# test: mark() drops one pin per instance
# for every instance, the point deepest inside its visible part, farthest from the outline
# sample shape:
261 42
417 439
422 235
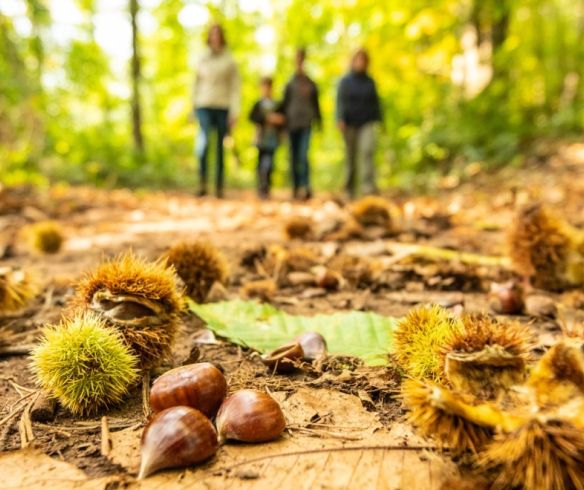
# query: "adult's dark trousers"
360 146
299 144
211 120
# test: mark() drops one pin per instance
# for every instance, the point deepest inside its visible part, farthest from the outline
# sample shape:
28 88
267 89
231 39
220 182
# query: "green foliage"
64 106
84 364
263 327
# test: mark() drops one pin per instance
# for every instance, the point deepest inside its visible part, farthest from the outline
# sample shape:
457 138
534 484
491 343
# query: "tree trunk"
136 74
499 31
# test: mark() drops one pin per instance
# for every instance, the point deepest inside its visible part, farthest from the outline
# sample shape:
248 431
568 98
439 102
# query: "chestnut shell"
201 386
284 359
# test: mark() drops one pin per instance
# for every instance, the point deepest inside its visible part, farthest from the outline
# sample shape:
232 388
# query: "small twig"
25 425
48 299
16 350
260 269
146 395
393 447
326 433
437 253
20 388
106 443
14 410
89 428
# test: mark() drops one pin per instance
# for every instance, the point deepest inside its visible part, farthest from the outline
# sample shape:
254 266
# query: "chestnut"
250 416
174 438
313 344
201 386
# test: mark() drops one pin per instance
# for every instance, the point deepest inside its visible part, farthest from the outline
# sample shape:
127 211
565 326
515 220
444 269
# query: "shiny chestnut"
506 298
313 345
175 438
250 416
201 386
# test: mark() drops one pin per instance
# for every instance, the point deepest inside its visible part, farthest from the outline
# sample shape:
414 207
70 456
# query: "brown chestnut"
250 416
201 386
328 279
174 438
284 359
506 298
313 344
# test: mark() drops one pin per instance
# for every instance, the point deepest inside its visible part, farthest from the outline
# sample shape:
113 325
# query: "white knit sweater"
217 84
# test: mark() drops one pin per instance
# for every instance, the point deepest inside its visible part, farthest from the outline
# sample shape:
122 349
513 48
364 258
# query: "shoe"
219 193
307 194
202 192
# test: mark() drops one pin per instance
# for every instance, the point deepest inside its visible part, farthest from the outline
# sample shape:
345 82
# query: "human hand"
341 125
276 119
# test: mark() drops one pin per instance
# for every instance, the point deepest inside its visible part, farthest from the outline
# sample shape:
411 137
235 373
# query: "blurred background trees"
89 96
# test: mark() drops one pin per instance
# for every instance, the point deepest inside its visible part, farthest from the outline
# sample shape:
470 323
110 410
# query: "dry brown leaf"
30 468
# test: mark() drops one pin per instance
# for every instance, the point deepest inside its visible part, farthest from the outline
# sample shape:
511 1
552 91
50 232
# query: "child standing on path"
265 114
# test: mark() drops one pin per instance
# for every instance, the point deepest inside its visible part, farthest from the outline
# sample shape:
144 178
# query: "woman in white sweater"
216 99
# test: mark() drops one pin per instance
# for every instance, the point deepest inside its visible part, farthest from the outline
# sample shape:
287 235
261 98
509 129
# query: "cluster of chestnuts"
185 400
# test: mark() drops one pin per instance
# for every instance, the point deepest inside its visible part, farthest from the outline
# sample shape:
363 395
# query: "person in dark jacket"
267 116
358 111
301 109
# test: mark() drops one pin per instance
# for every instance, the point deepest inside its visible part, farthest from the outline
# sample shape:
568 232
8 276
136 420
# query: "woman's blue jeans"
211 120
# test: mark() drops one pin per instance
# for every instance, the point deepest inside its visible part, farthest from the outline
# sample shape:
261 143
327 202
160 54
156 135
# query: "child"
269 120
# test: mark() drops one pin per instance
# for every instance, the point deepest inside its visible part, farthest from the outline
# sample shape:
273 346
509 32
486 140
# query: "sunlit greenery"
461 81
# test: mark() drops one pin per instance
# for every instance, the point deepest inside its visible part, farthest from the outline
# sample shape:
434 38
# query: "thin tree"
136 75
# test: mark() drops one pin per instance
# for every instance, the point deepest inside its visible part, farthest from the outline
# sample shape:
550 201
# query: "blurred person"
358 112
216 100
267 116
301 109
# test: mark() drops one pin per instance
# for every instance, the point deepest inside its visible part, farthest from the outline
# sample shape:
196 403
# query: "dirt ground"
346 426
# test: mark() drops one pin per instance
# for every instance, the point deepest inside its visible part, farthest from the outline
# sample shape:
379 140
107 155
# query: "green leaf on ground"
264 327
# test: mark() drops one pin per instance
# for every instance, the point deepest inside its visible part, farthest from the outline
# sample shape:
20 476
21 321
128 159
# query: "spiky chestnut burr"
558 377
16 289
357 271
299 228
301 259
486 356
373 211
419 339
262 289
45 237
199 265
457 421
84 364
546 453
547 249
140 298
